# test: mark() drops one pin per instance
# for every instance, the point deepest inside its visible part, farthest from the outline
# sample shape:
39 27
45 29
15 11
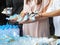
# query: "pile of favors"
26 40
8 33
38 41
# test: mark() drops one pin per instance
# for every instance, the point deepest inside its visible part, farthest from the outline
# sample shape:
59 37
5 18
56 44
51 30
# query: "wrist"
45 14
40 14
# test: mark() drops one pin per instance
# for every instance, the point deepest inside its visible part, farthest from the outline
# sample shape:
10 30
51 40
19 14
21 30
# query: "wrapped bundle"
57 42
12 17
44 41
7 10
32 16
26 17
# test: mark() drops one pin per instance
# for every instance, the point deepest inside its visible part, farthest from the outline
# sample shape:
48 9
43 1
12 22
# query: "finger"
22 22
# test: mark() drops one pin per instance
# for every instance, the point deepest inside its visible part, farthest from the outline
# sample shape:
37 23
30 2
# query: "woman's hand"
23 13
38 16
13 20
30 19
22 22
25 18
26 22
41 16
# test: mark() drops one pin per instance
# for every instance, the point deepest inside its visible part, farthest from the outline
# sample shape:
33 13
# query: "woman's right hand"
14 20
23 16
23 13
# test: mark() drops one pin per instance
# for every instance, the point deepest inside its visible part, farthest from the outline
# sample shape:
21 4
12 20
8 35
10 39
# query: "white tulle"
7 10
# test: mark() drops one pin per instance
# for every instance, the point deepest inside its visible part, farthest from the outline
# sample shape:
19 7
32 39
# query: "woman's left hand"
22 22
31 20
25 22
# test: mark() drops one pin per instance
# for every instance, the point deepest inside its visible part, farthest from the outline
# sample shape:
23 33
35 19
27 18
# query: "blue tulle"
8 32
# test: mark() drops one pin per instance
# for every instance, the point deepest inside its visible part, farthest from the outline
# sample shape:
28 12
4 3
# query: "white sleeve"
54 5
57 4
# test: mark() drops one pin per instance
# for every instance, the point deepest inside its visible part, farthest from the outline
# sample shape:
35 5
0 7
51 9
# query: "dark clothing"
17 8
16 4
52 29
2 16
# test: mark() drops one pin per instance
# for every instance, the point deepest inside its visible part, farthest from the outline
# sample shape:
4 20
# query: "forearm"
36 19
45 15
40 17
51 14
22 13
26 22
30 21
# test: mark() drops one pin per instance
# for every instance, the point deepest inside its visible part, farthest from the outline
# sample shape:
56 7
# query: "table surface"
30 41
